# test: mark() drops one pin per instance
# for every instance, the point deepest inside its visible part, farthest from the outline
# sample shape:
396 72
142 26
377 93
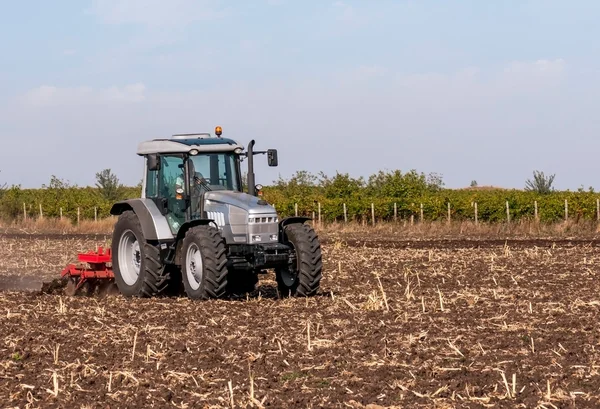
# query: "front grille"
262 219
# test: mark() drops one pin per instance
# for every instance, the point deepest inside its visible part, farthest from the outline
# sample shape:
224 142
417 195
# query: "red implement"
93 265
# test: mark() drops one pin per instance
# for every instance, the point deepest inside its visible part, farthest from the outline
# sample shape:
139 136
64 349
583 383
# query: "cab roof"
184 143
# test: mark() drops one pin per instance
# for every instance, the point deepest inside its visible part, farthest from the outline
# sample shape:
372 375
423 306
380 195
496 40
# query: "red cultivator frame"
91 272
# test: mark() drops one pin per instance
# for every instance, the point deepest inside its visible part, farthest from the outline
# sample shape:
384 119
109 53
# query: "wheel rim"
130 258
194 266
289 274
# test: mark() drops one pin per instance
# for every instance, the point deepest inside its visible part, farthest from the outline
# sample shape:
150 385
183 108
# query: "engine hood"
251 204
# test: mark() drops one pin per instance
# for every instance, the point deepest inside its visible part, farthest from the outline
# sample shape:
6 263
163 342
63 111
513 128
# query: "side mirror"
153 162
272 157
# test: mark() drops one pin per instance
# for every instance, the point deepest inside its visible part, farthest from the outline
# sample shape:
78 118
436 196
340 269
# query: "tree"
57 184
396 184
109 186
341 185
473 183
541 183
302 184
435 182
2 188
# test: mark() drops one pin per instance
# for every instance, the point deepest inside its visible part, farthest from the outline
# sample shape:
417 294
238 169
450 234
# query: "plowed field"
436 324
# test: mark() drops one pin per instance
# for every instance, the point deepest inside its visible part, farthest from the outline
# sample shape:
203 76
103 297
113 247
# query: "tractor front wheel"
302 275
204 263
136 263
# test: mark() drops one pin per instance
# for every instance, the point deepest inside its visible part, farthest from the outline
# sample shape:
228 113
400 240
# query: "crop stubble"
407 324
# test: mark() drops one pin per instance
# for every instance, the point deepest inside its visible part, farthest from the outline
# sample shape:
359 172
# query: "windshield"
215 171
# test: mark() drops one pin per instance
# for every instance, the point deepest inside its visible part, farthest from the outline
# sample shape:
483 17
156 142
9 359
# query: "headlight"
194 152
238 150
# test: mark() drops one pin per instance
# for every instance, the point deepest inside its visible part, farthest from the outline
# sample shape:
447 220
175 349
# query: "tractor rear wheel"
136 263
204 263
302 276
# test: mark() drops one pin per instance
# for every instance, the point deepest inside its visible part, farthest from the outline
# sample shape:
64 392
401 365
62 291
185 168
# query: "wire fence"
419 215
373 214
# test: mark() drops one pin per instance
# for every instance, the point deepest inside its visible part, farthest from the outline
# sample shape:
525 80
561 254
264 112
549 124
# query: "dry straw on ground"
398 323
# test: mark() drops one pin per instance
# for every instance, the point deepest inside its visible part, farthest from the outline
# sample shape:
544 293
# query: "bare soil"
398 323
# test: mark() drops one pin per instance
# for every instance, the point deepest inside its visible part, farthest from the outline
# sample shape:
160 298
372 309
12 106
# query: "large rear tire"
302 276
204 263
136 263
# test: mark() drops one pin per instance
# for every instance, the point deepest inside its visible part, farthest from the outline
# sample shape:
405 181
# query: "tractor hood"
249 203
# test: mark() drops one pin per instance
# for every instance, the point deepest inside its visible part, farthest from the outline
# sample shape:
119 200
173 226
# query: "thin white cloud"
157 12
347 13
525 76
47 95
551 67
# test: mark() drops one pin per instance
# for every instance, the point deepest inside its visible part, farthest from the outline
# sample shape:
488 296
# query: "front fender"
290 220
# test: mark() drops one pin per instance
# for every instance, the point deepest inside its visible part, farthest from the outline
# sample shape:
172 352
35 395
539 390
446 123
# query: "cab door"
172 189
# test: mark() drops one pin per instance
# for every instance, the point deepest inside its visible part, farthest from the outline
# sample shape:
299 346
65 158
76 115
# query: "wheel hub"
130 257
194 267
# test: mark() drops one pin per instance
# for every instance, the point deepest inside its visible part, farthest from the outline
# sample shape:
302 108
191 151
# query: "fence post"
95 214
449 216
373 213
395 212
296 209
313 218
598 210
345 214
41 212
319 206
78 216
535 211
566 210
507 212
60 211
421 215
24 211
476 216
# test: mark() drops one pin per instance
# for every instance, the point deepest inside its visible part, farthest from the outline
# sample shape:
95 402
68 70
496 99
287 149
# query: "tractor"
195 230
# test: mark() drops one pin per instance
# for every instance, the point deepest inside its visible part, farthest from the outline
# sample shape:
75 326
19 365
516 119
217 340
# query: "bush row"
491 204
86 199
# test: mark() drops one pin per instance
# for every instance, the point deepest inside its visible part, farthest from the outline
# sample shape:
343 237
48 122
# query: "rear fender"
154 223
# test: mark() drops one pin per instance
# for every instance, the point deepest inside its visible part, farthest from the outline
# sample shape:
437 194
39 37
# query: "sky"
472 90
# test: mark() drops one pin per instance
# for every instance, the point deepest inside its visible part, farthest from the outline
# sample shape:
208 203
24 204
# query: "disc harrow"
92 272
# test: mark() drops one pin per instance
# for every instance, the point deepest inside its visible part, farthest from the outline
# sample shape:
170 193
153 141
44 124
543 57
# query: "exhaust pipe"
251 182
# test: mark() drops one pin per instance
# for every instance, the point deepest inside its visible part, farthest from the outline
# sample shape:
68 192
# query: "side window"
171 174
222 172
151 184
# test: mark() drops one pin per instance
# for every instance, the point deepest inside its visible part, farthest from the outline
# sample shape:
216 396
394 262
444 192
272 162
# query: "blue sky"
473 90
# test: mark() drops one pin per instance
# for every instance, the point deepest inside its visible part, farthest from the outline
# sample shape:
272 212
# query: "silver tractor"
195 226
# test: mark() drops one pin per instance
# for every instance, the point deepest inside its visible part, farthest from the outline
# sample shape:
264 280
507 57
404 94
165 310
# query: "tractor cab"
181 170
178 182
